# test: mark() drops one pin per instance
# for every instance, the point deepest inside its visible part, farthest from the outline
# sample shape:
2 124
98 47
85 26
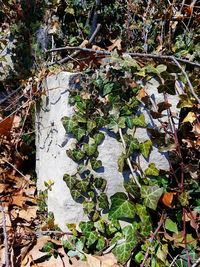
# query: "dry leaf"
116 44
167 199
93 261
141 94
6 126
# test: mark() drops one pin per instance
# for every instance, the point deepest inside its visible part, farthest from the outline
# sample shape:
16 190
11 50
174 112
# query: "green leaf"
48 247
90 149
86 227
82 186
161 68
100 183
121 207
108 87
96 164
98 138
113 227
101 243
70 180
88 206
151 195
121 122
121 161
90 125
75 154
69 124
133 144
185 101
103 201
145 148
171 226
152 170
75 194
139 120
93 237
78 133
129 122
123 250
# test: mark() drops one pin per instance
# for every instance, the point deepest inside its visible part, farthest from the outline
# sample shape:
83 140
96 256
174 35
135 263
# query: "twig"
5 237
11 94
103 52
172 263
81 46
196 263
25 178
128 159
162 219
40 233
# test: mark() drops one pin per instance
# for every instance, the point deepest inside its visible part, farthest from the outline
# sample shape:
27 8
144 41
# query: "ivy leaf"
101 243
108 87
163 106
70 180
161 68
86 227
121 207
151 195
75 154
171 226
82 186
93 237
88 206
78 133
90 125
100 122
185 101
90 149
75 194
129 122
145 148
133 145
96 164
121 161
168 87
139 120
100 183
152 170
98 138
123 250
121 122
69 124
103 201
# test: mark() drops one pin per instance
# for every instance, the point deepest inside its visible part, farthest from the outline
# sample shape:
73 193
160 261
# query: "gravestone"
52 142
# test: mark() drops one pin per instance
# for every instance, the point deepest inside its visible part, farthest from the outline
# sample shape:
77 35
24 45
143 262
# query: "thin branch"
171 58
196 263
162 219
64 60
128 159
25 178
5 237
9 96
104 52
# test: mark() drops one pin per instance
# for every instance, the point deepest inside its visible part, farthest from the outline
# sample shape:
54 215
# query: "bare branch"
5 237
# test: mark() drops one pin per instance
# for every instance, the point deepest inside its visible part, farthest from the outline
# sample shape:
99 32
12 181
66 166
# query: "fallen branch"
5 237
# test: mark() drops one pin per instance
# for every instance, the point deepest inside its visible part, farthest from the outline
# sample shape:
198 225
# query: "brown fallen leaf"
115 44
6 126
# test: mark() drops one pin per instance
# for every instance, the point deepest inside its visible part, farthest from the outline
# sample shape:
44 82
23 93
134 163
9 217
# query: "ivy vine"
112 99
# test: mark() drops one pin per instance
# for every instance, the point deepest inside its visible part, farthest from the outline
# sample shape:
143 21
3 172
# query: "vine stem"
128 159
196 263
5 236
162 219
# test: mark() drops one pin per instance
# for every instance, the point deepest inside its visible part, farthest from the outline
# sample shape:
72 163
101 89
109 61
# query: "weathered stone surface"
52 143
